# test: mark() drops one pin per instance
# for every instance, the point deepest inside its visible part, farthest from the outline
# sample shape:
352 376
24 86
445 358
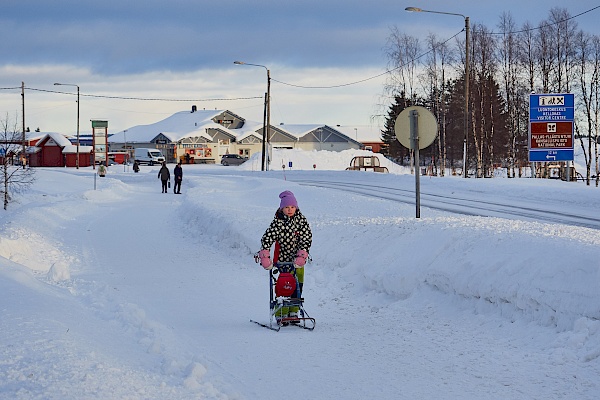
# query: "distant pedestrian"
164 175
136 166
102 170
178 178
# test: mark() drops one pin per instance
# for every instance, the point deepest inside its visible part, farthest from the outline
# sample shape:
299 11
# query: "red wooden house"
55 150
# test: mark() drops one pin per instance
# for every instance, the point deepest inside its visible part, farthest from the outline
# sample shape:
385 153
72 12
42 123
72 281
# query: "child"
292 236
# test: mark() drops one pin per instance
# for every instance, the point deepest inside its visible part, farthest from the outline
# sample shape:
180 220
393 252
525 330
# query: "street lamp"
267 115
126 160
71 84
467 39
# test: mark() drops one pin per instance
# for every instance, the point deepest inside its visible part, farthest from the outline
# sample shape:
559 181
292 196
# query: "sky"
326 59
111 289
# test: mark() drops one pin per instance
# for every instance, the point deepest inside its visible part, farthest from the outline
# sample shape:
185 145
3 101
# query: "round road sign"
427 127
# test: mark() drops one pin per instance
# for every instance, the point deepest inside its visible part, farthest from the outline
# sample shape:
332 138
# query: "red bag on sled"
285 285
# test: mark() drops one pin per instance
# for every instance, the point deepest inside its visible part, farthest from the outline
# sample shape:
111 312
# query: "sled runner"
285 293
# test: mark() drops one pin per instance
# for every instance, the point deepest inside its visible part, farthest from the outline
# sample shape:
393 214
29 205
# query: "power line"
545 25
373 77
143 98
427 52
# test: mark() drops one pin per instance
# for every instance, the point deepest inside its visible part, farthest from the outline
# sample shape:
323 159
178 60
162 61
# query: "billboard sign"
551 120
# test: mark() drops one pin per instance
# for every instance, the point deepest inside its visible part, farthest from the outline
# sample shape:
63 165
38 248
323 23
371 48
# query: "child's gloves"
301 257
265 259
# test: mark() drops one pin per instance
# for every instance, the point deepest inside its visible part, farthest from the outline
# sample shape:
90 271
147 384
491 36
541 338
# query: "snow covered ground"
123 292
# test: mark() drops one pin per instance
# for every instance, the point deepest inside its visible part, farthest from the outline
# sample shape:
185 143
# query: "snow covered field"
123 292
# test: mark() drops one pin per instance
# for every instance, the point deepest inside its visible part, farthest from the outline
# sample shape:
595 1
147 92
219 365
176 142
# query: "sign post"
416 128
414 138
551 121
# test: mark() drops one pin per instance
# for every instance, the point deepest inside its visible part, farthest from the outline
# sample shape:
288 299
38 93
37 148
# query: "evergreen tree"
392 148
455 131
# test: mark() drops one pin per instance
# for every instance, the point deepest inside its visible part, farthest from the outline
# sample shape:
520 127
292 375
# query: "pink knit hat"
287 199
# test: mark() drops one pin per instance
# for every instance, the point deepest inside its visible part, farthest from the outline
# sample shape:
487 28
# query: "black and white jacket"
291 233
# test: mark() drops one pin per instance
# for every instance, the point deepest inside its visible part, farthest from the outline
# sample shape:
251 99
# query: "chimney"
194 109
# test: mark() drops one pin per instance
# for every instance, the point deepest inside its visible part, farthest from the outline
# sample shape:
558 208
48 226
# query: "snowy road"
497 206
168 283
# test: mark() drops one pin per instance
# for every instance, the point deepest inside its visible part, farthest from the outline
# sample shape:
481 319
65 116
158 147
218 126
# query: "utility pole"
467 73
72 84
467 78
267 116
23 155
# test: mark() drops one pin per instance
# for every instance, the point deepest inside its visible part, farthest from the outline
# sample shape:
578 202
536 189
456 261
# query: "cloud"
52 108
116 37
184 49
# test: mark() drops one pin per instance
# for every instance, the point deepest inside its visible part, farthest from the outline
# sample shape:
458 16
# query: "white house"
203 136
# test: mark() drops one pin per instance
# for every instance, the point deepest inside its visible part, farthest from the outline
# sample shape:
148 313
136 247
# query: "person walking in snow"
102 170
178 178
164 175
291 234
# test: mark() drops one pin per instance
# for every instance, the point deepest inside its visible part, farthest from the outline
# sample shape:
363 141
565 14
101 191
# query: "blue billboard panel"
551 155
551 107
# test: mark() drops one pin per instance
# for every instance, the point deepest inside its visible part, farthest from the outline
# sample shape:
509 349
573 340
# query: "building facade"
204 136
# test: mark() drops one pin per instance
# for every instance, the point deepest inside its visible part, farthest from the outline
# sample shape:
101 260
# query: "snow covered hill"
124 292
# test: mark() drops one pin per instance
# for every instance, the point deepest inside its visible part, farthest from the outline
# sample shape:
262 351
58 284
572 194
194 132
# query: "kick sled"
286 292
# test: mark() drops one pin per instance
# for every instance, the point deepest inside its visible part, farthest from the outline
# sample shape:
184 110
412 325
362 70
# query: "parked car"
233 159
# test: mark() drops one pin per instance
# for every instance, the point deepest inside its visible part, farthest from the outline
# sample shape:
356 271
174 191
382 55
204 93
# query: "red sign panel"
551 135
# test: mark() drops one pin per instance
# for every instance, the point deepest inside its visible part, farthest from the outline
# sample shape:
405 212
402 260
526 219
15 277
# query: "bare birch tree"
596 100
526 42
537 58
484 69
509 58
437 60
589 71
544 54
402 53
562 31
15 177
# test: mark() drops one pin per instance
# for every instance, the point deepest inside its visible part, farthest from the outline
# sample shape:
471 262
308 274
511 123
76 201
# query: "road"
462 204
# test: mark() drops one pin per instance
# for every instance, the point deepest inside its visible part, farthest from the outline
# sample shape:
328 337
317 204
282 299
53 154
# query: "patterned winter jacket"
291 233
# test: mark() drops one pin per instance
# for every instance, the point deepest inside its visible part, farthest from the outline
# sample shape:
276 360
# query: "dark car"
232 159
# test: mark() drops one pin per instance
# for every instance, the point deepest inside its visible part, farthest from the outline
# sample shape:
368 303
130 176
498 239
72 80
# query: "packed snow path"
157 290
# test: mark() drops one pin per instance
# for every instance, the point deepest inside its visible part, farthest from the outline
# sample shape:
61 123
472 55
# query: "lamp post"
77 86
126 160
467 40
267 117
